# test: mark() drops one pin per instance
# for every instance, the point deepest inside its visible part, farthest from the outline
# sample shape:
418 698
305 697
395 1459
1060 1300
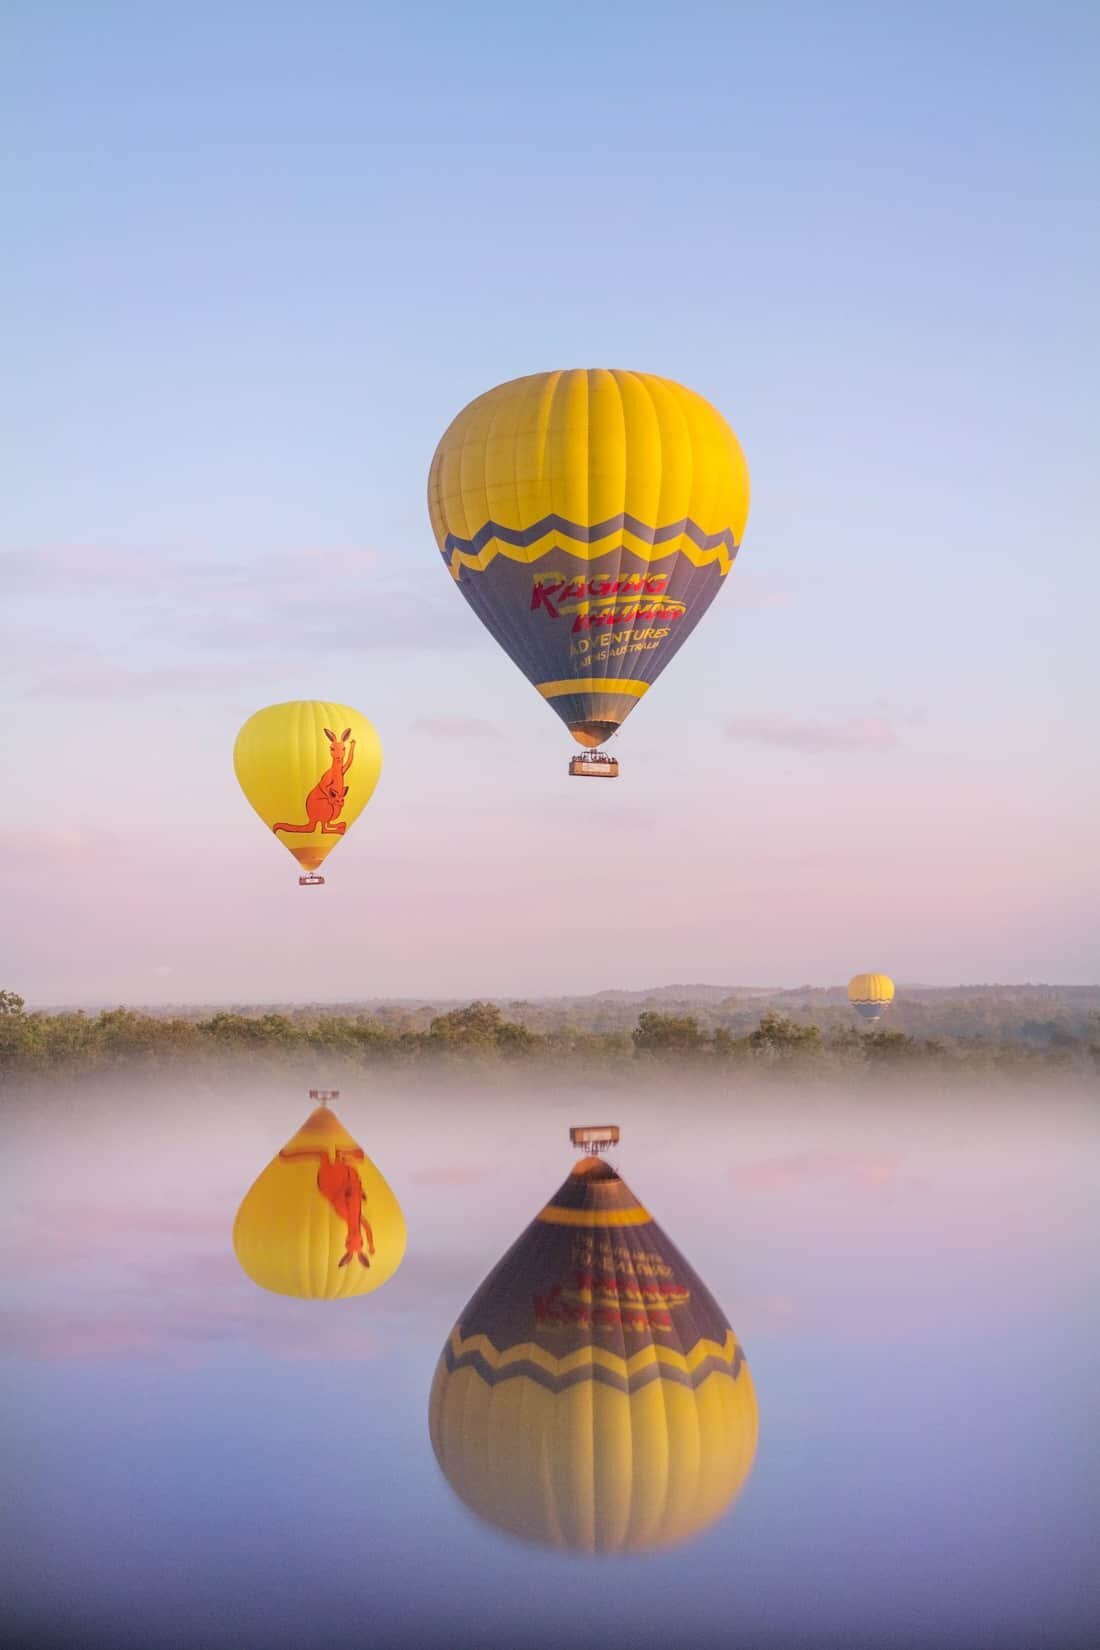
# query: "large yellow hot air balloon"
871 994
295 765
592 1395
320 1222
589 518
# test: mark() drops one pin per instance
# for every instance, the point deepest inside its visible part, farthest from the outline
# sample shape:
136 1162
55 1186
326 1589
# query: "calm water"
191 1462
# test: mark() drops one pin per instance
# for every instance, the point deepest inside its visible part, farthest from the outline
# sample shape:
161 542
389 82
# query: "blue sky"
261 257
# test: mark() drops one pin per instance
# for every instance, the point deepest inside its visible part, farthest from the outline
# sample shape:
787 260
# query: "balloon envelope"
320 1222
592 1396
871 994
589 518
309 768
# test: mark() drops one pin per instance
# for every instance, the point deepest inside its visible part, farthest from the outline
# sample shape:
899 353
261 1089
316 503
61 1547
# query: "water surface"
191 1462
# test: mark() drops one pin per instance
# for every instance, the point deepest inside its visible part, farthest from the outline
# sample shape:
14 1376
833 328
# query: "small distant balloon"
871 994
308 768
592 1396
320 1223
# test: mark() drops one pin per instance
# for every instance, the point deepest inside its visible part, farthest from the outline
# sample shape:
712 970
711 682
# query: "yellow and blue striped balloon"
871 994
589 518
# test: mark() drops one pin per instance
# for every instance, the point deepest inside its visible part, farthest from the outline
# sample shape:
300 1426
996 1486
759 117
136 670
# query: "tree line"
74 1042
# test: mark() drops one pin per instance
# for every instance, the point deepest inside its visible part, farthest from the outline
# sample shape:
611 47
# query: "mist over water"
190 1461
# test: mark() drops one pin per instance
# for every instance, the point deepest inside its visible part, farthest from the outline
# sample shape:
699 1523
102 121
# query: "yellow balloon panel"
592 1469
592 1396
321 1222
308 768
576 450
871 988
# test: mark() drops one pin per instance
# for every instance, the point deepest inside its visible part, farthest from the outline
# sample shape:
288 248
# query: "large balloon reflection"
592 1395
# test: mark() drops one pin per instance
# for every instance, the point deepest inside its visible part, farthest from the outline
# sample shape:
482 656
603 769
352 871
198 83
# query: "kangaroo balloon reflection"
592 1395
320 1222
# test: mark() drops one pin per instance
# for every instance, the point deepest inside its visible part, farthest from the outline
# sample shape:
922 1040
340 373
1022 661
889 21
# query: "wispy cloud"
153 573
47 1236
118 1330
168 614
106 679
859 733
456 727
852 1171
316 623
164 1283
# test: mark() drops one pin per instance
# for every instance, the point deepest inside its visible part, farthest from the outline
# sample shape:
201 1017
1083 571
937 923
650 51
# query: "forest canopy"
1009 1029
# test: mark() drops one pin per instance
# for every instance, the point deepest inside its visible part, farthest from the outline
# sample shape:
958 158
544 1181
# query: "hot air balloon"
592 1396
589 518
320 1222
871 994
295 765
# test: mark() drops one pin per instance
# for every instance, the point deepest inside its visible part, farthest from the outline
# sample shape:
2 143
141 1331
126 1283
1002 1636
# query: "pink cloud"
454 1174
47 1236
82 845
868 733
756 593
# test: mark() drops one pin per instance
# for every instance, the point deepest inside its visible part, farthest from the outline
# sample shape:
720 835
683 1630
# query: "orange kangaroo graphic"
326 800
341 1184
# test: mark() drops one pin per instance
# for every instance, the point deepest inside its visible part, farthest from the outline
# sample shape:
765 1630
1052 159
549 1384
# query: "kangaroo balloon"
295 765
589 518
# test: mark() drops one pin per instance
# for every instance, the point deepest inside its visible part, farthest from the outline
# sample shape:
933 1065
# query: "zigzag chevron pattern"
520 543
652 1363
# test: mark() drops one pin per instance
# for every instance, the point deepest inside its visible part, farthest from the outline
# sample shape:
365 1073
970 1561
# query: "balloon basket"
312 881
594 765
594 1138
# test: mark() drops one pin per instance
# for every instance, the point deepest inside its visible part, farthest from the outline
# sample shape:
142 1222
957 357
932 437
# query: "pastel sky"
260 255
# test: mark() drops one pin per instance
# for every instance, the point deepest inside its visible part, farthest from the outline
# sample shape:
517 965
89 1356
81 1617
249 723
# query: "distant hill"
1029 1012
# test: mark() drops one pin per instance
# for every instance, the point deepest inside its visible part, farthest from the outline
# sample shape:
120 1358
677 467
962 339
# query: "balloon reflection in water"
592 1395
320 1222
